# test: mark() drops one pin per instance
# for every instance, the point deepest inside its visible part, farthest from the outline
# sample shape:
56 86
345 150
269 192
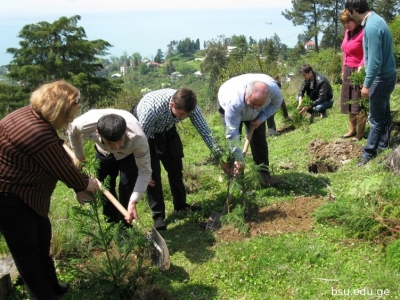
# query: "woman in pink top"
353 60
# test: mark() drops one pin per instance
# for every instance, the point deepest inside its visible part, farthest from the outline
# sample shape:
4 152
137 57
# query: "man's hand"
152 182
225 167
300 102
365 92
84 197
255 123
238 168
132 212
304 109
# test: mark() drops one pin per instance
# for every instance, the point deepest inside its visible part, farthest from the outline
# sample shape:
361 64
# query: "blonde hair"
53 101
345 16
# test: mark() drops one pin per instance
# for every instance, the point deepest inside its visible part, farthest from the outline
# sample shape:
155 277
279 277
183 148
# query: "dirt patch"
328 157
277 218
296 216
286 129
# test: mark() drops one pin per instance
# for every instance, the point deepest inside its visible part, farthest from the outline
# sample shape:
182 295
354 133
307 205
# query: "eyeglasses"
78 97
253 104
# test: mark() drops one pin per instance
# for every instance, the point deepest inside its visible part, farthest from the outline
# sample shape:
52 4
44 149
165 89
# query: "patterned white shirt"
155 116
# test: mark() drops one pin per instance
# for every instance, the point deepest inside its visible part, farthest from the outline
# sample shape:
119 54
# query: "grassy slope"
313 265
291 266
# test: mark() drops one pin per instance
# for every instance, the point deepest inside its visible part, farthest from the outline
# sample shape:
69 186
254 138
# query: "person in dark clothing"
319 89
271 120
32 161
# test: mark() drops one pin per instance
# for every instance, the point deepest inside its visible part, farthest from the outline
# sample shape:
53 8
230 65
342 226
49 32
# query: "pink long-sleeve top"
353 55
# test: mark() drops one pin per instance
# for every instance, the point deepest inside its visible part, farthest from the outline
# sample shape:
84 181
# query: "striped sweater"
32 160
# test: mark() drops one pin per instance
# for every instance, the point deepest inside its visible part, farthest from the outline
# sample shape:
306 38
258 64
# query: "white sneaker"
272 131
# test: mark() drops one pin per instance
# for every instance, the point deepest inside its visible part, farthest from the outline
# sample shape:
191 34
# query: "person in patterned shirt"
158 112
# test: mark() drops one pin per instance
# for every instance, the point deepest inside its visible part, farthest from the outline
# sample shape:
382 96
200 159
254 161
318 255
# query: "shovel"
159 253
214 221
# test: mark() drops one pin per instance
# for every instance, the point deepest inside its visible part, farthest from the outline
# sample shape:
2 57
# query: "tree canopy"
60 50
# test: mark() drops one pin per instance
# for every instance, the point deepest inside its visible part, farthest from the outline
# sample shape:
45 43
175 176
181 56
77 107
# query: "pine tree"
60 50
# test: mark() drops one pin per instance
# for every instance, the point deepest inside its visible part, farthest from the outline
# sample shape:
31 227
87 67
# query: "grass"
328 262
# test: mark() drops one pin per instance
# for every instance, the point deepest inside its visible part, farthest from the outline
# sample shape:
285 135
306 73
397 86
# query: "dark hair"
277 78
111 127
306 68
360 6
185 99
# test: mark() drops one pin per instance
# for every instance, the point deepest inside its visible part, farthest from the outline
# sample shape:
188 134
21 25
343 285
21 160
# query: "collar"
366 17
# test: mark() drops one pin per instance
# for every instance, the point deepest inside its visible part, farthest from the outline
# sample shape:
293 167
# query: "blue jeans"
320 108
380 118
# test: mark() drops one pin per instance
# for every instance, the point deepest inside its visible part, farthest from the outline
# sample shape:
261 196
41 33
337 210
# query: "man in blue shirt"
380 78
249 99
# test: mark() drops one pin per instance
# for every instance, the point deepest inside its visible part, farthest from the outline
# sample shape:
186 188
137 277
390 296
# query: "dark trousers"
128 171
271 122
172 162
28 237
258 143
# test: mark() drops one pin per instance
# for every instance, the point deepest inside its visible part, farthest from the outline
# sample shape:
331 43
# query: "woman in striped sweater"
32 160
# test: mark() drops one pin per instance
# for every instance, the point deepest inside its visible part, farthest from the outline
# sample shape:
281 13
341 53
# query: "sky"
145 26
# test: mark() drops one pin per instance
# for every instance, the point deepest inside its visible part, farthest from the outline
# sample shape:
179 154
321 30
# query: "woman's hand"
84 197
93 185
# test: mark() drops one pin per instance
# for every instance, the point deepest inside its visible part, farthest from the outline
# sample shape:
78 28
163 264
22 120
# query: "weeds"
357 78
363 210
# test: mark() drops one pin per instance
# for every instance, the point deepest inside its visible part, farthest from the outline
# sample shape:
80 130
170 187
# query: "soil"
296 215
277 218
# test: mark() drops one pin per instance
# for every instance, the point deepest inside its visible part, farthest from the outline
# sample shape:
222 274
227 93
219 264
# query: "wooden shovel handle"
248 139
106 193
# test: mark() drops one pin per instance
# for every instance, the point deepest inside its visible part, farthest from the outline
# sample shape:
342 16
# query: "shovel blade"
214 221
159 253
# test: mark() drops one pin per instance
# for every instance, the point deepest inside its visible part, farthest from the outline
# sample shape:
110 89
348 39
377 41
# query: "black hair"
306 68
360 6
185 99
111 127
